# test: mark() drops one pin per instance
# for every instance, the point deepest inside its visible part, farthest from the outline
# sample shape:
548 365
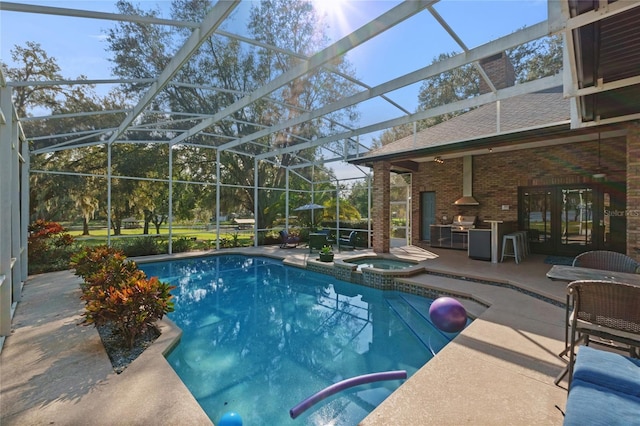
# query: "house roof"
517 118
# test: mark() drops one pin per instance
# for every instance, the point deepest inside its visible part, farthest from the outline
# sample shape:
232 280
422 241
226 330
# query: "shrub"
90 260
49 247
103 267
182 244
116 292
131 307
269 238
140 246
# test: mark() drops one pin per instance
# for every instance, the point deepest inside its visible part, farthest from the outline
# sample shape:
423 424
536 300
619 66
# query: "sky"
80 49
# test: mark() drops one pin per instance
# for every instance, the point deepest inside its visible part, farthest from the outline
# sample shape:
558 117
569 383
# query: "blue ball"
448 314
230 419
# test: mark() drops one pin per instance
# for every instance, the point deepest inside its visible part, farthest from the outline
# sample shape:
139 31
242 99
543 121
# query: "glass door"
576 220
535 217
571 219
613 223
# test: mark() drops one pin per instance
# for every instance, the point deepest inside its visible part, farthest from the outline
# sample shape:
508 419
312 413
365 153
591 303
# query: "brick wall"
633 190
497 176
381 209
500 70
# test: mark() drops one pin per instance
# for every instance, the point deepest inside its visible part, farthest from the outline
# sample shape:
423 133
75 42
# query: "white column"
217 199
16 271
170 198
24 206
255 200
6 134
286 199
109 171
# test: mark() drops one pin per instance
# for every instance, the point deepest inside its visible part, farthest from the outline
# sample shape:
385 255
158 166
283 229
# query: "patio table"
575 273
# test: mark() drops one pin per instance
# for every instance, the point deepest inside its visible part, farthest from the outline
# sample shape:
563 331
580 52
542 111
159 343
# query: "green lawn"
229 237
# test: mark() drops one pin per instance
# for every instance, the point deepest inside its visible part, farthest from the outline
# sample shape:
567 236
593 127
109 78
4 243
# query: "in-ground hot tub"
376 271
379 263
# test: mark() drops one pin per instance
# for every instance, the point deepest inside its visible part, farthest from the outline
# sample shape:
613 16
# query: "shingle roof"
520 112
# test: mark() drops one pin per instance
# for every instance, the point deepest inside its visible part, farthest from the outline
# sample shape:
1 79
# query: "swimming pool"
259 337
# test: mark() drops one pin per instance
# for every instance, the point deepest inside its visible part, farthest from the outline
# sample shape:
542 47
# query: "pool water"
380 263
259 337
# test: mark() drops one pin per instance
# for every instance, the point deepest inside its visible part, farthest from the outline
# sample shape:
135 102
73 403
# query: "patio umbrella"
310 206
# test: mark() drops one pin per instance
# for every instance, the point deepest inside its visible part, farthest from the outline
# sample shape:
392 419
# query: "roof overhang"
604 53
500 142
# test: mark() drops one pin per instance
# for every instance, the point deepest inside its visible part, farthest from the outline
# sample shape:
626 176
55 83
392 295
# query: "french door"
571 219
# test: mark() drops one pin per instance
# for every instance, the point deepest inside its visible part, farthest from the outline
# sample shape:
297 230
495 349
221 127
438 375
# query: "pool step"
418 323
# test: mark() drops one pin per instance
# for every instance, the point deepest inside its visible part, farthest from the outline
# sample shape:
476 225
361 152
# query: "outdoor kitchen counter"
480 243
440 236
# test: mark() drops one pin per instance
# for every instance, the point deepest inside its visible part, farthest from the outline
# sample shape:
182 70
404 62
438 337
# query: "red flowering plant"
50 247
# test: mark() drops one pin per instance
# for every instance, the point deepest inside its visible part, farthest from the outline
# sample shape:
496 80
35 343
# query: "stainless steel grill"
463 223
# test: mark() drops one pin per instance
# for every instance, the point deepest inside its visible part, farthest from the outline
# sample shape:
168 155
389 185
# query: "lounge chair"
288 241
605 389
607 260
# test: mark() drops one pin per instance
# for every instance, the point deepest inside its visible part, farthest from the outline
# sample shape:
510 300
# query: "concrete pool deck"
500 370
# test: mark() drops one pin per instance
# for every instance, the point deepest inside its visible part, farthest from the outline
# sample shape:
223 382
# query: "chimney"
500 70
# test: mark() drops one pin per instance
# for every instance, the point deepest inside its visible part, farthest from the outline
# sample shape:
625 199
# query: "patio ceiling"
602 77
605 64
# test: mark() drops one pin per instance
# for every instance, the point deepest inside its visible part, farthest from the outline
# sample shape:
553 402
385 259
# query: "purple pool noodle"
342 385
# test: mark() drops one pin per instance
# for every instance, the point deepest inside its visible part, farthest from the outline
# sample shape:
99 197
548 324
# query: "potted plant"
326 254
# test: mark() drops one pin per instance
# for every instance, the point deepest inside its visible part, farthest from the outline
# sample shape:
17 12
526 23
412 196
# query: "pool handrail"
345 384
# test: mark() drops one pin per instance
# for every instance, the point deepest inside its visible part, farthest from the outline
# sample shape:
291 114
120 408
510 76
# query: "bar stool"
522 243
513 238
527 247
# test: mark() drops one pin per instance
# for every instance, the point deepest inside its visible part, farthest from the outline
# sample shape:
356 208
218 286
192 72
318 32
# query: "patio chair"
604 309
288 241
350 240
607 260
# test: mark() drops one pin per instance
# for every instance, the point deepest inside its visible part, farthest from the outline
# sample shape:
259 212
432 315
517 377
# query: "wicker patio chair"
607 260
604 309
288 241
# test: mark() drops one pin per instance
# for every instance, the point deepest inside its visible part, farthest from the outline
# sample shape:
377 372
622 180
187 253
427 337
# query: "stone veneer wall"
633 190
381 209
497 176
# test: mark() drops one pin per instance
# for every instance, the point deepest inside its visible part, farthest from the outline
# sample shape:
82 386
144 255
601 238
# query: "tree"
36 65
224 70
88 205
359 196
537 59
533 60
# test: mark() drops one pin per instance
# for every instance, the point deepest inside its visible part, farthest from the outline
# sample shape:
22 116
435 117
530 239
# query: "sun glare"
335 13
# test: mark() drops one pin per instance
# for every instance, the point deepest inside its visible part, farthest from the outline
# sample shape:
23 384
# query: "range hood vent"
467 184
